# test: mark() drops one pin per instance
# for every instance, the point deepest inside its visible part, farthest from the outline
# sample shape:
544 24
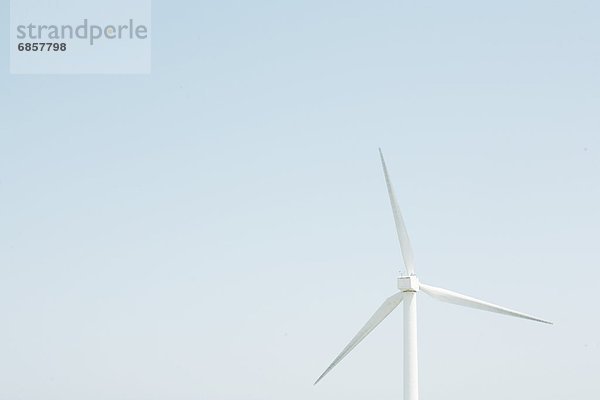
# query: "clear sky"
220 229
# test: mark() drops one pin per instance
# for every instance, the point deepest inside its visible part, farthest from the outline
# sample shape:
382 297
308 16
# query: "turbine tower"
409 286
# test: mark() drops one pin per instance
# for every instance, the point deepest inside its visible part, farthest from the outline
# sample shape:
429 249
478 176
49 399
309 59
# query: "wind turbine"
409 286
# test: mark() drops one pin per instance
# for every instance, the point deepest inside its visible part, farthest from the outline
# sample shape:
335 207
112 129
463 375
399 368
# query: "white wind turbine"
409 285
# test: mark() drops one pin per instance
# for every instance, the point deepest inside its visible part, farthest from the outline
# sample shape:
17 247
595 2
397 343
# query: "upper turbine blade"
407 253
383 311
462 300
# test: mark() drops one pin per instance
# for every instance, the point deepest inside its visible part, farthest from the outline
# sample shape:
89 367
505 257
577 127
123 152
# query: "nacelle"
408 283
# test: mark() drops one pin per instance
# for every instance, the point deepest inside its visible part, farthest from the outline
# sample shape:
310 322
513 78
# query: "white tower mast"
411 362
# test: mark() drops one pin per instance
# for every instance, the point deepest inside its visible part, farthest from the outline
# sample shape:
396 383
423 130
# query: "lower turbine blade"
466 301
383 311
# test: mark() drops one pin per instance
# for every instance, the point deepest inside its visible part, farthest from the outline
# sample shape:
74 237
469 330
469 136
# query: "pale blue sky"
220 229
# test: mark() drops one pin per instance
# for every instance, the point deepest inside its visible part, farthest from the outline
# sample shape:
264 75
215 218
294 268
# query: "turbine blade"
383 311
405 246
466 301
